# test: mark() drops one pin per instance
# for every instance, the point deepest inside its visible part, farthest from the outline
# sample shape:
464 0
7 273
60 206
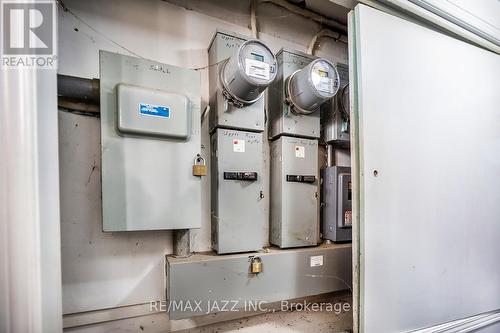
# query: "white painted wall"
107 270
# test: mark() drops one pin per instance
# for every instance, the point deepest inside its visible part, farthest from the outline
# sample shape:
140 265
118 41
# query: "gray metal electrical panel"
335 113
210 279
337 204
295 196
282 119
227 109
150 136
237 191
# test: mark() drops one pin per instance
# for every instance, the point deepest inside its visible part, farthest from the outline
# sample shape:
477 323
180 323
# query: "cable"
67 10
210 65
205 112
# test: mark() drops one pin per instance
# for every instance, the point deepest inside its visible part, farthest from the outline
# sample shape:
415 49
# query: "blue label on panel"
154 110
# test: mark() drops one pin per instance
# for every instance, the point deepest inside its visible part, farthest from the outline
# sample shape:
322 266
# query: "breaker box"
335 113
240 71
294 192
150 137
237 191
337 204
281 118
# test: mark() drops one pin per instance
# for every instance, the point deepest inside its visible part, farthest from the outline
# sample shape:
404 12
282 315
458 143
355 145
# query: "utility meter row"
242 69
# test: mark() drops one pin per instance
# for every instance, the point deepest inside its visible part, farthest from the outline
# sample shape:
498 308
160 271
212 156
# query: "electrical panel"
335 113
237 191
150 139
294 188
302 85
337 204
240 70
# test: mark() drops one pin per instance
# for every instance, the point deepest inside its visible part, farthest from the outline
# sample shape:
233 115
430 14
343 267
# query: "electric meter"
248 72
308 88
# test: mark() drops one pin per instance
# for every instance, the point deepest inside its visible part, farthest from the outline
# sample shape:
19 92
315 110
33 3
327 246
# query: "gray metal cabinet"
150 136
237 191
295 196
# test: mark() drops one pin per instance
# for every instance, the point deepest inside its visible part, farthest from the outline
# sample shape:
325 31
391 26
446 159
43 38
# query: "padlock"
256 265
199 167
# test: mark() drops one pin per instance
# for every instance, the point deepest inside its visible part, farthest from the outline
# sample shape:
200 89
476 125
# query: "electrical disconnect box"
241 72
337 204
335 113
244 69
303 83
237 191
294 188
150 139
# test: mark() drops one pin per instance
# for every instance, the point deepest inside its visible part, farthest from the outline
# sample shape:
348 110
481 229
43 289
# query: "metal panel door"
294 199
237 191
426 116
147 178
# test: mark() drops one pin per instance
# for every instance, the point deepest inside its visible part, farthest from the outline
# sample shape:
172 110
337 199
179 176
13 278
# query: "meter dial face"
325 78
258 62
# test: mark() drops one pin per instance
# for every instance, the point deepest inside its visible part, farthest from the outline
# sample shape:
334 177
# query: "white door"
426 139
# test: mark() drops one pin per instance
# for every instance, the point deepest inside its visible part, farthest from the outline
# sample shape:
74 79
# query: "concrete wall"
110 270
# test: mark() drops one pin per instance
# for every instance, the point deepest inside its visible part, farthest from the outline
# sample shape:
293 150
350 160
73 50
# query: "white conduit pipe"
325 33
308 14
338 37
253 18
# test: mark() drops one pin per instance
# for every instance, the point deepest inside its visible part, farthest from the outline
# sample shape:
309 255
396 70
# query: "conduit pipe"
78 89
325 33
308 14
182 243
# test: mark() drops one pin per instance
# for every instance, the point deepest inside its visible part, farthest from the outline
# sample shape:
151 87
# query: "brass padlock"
199 167
255 265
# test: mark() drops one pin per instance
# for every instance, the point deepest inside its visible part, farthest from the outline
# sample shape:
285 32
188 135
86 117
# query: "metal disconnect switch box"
240 71
335 113
150 136
237 191
294 189
337 209
281 118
